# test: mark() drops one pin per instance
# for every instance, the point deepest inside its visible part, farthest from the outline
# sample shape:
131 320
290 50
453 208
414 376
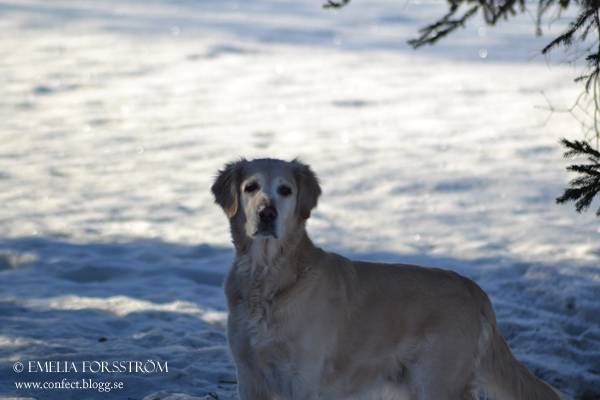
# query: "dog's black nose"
267 214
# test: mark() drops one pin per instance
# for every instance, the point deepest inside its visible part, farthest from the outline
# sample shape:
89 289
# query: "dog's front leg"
302 383
251 385
303 390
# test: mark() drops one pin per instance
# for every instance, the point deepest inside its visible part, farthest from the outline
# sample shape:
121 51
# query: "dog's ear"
227 185
308 188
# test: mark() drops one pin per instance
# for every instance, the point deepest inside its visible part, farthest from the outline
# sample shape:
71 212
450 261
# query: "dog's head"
266 196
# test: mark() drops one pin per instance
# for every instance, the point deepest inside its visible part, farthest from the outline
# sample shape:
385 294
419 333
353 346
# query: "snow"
116 115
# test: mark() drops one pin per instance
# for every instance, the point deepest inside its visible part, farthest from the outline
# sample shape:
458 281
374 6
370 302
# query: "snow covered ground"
116 115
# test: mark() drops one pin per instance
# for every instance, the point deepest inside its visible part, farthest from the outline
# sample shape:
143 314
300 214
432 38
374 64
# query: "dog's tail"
504 377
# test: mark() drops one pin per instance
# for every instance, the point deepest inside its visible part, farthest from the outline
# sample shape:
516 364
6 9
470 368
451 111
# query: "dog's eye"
284 191
251 187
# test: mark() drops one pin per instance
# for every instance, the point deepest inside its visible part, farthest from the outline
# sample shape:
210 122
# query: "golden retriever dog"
307 324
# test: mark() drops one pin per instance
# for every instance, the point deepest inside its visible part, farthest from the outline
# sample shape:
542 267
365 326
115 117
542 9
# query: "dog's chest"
255 287
263 314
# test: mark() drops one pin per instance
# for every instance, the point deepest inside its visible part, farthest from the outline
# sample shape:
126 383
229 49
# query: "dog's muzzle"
267 214
266 217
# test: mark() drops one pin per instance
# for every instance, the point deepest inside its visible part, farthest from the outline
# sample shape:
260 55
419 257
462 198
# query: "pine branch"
434 32
584 188
542 9
567 37
506 10
494 11
579 148
334 4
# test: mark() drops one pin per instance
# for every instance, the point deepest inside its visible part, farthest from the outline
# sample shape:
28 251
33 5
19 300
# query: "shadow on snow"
147 298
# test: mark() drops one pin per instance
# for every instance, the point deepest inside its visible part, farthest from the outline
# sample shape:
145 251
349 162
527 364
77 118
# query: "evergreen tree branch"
567 37
434 32
578 148
586 187
335 4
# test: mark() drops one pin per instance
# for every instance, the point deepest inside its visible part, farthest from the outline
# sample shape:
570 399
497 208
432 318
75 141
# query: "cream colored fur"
305 323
